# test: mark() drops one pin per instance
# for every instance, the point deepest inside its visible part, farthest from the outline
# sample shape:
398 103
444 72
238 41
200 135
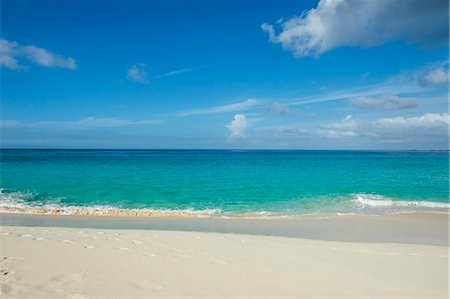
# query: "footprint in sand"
221 262
124 249
148 284
392 254
136 242
13 258
178 250
90 247
39 239
417 254
151 255
67 241
5 234
26 236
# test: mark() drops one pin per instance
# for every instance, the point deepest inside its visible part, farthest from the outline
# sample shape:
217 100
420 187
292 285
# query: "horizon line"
225 149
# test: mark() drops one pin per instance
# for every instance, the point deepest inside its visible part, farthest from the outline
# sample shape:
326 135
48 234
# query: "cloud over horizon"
238 126
400 128
337 23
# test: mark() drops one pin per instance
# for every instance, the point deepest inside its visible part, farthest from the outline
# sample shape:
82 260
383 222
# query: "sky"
225 74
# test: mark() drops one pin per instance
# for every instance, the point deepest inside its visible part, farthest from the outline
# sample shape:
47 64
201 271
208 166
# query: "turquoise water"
209 182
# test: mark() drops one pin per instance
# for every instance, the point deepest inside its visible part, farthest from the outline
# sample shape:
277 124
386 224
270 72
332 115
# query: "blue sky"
225 74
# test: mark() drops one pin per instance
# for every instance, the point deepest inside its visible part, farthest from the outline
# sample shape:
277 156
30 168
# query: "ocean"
222 183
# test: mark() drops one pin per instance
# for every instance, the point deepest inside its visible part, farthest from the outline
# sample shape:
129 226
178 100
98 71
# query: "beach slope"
74 262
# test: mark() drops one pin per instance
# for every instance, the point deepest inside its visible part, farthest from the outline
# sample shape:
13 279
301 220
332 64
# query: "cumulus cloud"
384 103
278 108
238 126
337 23
137 73
11 52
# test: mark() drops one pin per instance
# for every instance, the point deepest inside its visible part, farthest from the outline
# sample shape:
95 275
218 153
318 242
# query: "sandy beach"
74 262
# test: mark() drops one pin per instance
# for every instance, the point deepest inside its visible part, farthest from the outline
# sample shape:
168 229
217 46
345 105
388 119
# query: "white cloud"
337 23
414 128
278 108
175 72
385 103
425 121
11 51
438 76
238 126
137 73
244 105
347 127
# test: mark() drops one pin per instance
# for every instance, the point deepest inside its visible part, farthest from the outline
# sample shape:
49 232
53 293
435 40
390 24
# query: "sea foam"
374 200
361 203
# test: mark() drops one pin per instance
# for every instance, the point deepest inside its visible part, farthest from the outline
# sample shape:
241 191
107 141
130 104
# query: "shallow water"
225 183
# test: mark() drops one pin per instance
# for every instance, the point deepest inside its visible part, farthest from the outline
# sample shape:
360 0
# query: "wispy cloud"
11 52
278 108
176 72
333 24
137 73
384 103
383 89
390 92
235 107
89 122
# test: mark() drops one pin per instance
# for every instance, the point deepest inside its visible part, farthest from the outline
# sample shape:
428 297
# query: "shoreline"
410 228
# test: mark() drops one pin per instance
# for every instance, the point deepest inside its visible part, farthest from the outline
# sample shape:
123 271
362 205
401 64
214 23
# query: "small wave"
374 200
361 203
16 203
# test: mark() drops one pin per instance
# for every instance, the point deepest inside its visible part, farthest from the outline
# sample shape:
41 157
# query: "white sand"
76 263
